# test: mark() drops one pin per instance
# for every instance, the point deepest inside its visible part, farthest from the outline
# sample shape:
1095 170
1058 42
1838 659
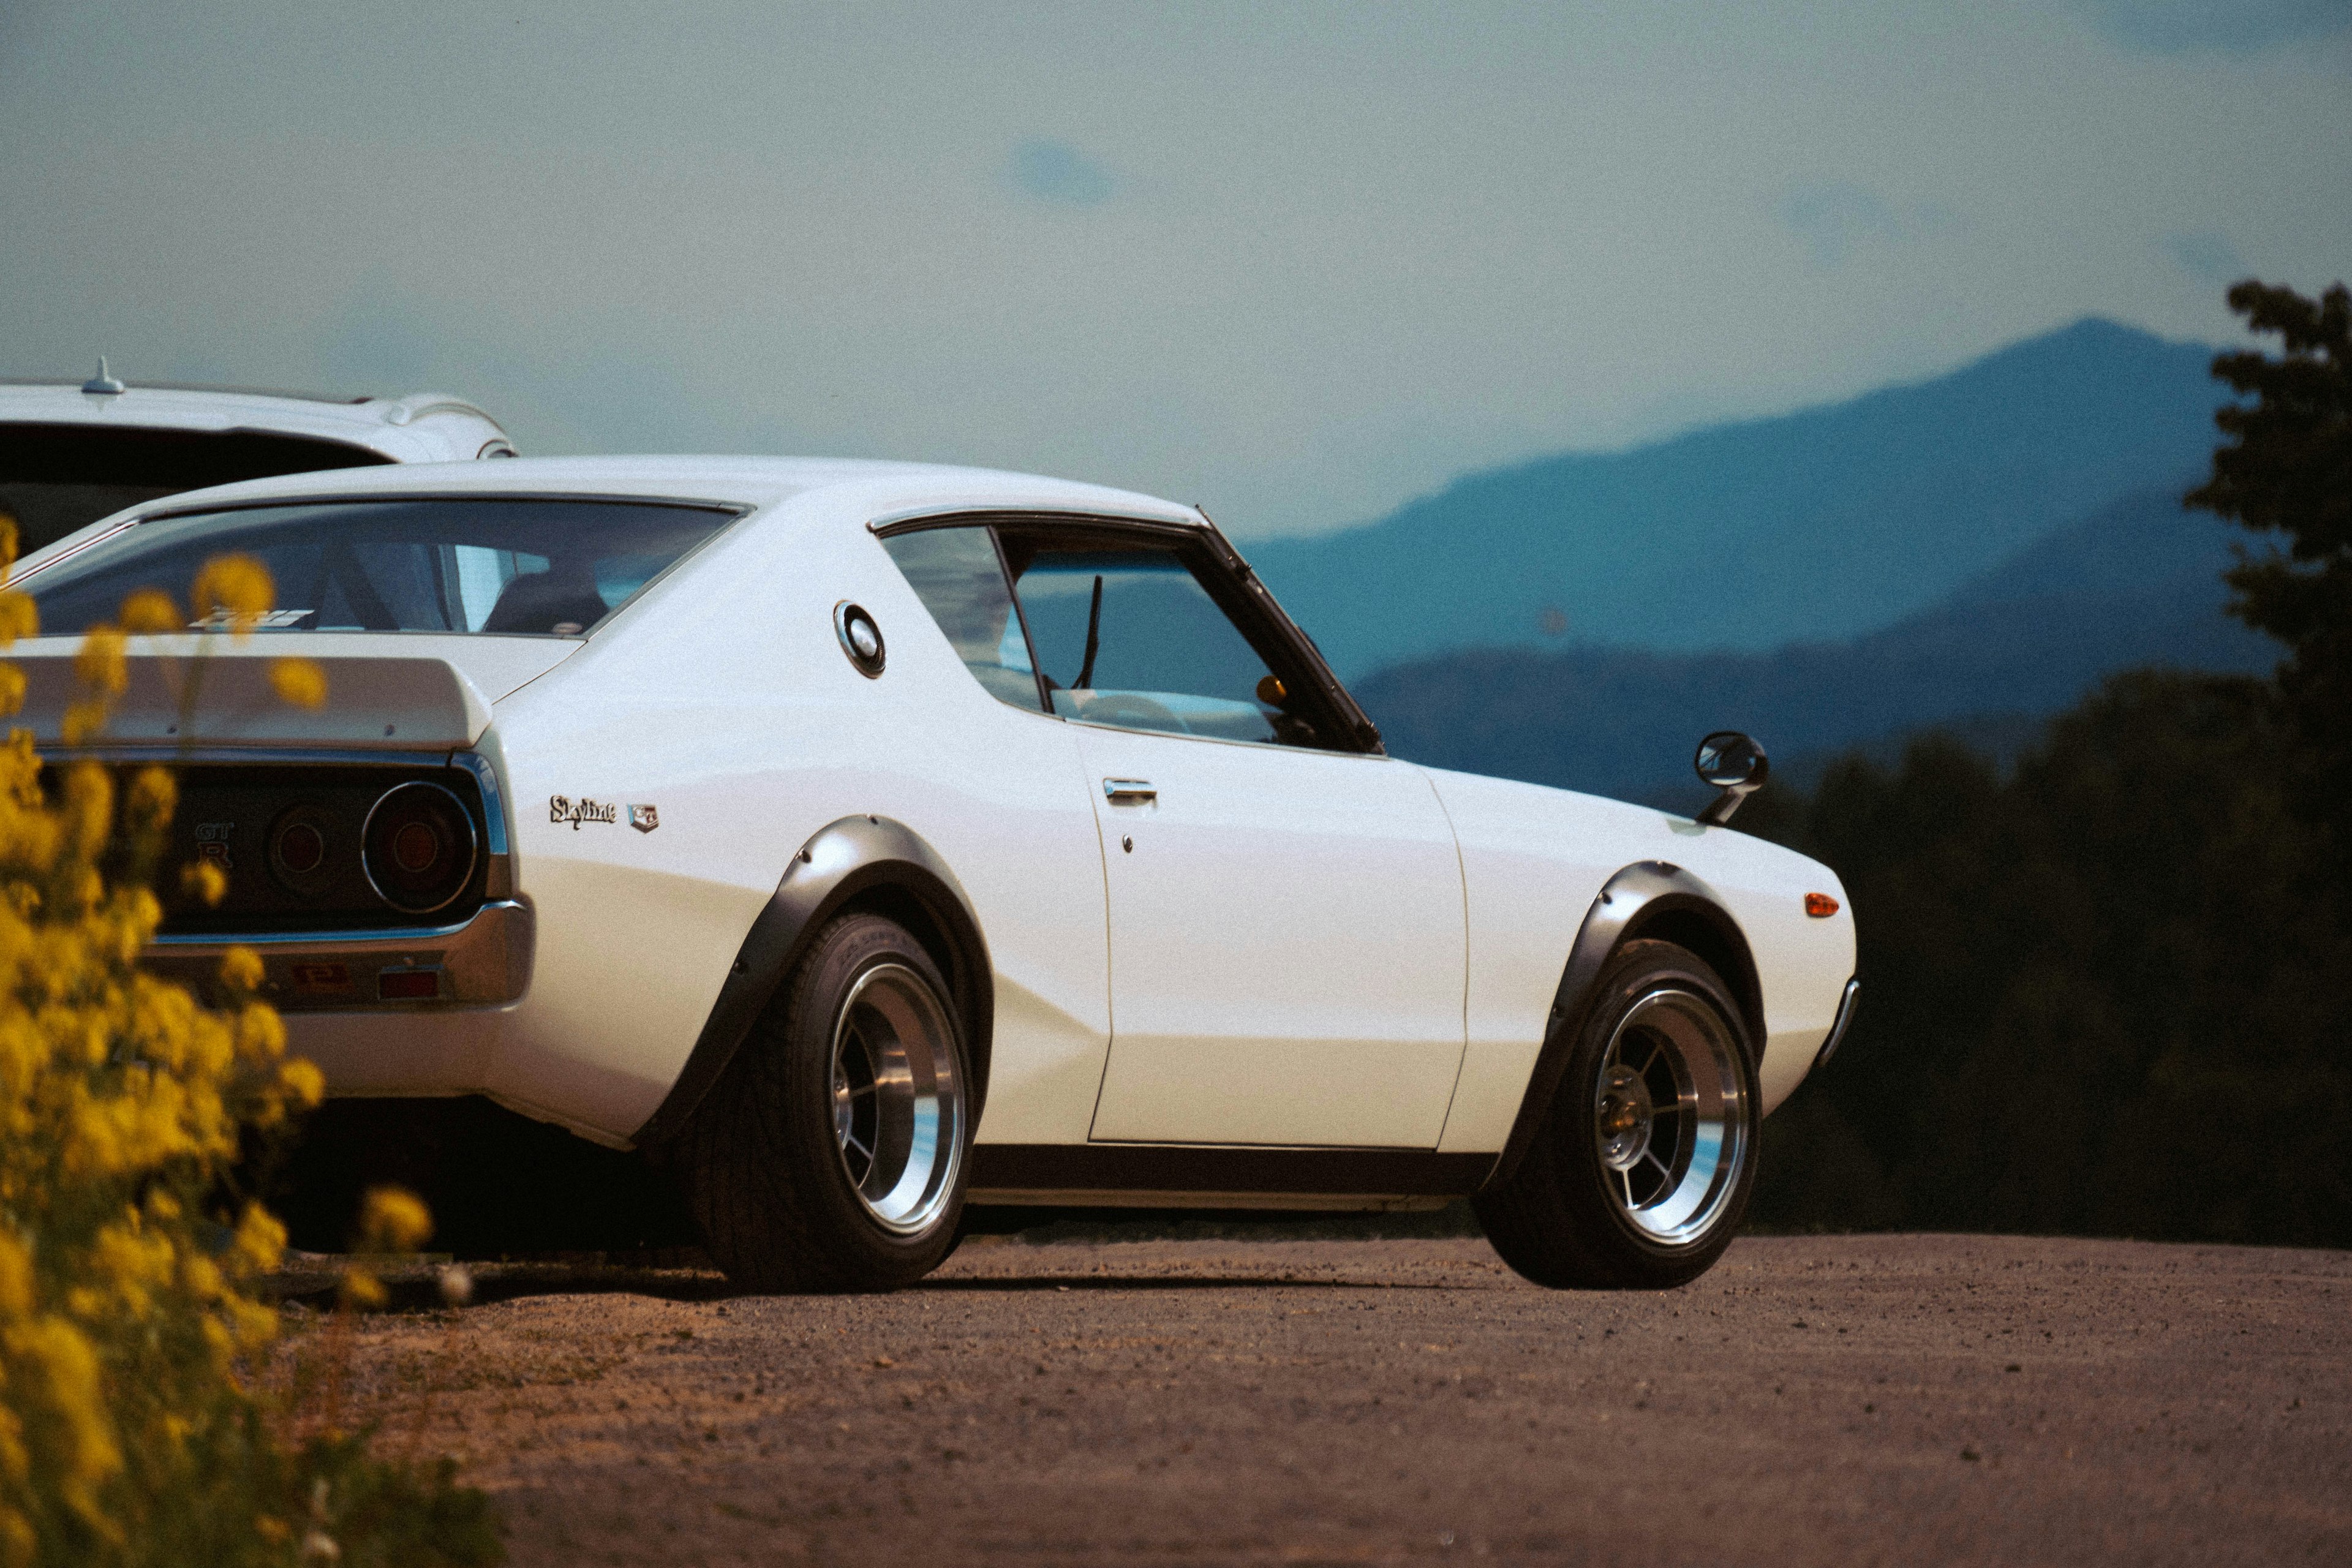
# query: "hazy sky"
1297 262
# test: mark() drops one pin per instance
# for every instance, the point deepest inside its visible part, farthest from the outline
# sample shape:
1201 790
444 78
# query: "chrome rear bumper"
484 961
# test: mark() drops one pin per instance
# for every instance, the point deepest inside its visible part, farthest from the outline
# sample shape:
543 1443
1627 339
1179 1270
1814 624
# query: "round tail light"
301 845
417 847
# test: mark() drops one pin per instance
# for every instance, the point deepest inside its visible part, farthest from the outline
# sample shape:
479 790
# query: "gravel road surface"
1895 1399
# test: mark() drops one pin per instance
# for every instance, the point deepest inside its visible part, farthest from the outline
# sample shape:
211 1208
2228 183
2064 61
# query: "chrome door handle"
1128 792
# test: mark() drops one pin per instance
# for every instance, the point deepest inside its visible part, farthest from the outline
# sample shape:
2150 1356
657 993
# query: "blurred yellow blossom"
131 1325
393 1221
235 590
100 665
298 682
151 612
204 883
240 969
19 617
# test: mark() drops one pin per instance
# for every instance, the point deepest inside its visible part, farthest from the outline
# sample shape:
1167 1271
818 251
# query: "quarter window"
956 573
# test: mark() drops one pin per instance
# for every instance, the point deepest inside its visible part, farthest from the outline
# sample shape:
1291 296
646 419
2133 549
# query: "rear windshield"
504 567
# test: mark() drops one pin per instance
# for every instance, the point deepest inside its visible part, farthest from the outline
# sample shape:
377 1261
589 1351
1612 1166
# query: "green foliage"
2107 995
2288 472
2099 997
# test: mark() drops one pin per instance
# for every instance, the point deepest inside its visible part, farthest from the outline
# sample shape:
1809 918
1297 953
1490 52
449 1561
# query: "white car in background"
865 840
71 453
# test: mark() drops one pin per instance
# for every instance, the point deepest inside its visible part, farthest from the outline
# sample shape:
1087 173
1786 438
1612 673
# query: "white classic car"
866 840
71 453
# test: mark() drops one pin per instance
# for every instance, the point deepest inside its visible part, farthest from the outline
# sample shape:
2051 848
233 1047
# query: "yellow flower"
147 805
237 587
19 616
298 682
204 880
83 719
62 1364
100 664
151 612
392 1220
302 1082
241 969
363 1289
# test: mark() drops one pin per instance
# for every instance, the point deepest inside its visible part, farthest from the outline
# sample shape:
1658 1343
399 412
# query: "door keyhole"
1127 842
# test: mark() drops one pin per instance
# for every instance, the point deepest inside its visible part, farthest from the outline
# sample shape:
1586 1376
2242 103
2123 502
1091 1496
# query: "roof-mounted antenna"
102 384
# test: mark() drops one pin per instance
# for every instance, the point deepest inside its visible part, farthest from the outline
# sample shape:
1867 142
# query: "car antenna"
1085 681
102 384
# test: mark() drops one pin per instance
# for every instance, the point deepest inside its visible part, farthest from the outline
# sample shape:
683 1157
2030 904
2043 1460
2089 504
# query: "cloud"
2224 26
1833 217
1059 172
2205 254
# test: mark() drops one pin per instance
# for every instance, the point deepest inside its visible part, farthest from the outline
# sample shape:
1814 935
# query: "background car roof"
423 427
879 491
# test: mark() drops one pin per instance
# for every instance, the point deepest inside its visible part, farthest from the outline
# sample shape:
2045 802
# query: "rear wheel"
1640 1173
830 1157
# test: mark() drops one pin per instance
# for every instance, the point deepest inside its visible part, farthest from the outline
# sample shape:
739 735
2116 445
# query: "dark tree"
2288 472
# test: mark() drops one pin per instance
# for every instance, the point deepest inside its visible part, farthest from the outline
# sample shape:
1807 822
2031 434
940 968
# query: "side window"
956 574
1125 635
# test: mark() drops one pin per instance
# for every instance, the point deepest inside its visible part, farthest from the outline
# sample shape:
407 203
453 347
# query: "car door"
1285 910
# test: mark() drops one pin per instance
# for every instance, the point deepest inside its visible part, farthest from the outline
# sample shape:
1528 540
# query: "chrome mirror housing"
1733 763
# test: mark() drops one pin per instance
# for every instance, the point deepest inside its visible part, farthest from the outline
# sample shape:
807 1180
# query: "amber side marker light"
1821 906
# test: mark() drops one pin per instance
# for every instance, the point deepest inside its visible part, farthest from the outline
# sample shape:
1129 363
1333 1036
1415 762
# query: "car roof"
880 491
428 426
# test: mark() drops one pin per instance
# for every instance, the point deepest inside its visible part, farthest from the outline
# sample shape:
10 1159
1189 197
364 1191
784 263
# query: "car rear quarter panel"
1533 861
722 700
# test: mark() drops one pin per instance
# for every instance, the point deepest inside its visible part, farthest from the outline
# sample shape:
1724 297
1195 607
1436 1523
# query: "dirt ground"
1835 1400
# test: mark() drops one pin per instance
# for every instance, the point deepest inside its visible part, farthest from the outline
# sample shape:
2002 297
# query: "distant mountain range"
1817 526
2136 582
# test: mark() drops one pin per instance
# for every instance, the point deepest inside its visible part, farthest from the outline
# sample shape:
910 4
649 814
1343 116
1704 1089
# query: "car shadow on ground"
1011 1284
412 1287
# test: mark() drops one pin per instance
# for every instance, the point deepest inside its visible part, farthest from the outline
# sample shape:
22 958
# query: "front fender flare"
1635 903
855 856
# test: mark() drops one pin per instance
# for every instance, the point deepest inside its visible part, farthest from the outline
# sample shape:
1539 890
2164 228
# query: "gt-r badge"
212 843
563 808
644 818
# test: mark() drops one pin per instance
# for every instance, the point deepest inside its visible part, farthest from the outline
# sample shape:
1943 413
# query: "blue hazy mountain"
1822 524
2136 583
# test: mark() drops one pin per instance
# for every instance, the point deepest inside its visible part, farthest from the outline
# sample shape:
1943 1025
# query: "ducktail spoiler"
419 704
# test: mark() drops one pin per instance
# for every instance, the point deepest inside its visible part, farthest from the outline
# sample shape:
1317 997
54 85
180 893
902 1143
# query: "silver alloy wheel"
898 1097
1670 1116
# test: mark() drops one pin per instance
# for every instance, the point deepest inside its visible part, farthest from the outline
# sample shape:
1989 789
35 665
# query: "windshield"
516 567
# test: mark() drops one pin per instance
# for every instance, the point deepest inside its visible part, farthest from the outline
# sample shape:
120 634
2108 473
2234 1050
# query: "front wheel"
1640 1173
830 1157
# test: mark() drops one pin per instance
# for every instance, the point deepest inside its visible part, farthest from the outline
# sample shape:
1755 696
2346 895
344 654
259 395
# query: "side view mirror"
1733 763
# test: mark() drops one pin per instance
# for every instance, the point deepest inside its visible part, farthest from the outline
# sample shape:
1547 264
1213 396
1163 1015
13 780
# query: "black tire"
770 1173
1616 1193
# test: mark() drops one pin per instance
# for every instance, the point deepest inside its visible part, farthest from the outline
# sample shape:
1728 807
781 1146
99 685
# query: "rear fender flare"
870 859
1650 898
